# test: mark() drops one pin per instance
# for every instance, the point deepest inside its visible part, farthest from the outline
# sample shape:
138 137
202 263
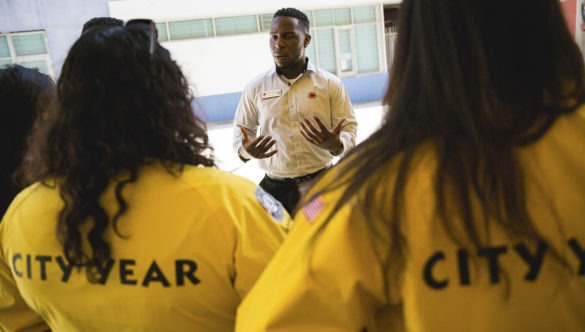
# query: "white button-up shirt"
270 107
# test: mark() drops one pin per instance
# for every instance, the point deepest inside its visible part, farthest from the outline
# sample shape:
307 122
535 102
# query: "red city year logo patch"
312 95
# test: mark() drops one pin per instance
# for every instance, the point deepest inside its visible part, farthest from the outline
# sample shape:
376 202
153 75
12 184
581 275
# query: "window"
366 44
28 49
41 65
345 41
163 34
338 16
191 29
326 50
345 53
342 16
324 17
29 44
236 25
265 22
364 14
5 57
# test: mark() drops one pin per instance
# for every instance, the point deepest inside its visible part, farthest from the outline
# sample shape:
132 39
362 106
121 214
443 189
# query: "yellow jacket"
193 246
336 281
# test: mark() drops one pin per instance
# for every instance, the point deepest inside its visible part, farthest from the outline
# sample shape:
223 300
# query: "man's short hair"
293 12
102 22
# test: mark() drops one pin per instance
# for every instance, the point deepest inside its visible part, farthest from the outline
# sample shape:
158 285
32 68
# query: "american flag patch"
313 208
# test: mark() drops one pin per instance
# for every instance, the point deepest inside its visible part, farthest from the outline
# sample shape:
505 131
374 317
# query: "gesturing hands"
323 137
259 147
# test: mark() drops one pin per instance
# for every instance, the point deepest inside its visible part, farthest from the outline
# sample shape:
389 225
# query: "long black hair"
473 80
25 94
120 108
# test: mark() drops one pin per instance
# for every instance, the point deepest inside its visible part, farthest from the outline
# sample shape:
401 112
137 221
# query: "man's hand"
259 147
323 137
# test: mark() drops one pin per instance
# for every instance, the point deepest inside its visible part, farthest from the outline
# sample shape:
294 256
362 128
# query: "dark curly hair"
101 22
293 12
120 108
24 94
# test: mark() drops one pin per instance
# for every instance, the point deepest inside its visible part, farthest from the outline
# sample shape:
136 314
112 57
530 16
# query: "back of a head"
24 94
122 105
478 79
474 79
119 107
101 22
484 65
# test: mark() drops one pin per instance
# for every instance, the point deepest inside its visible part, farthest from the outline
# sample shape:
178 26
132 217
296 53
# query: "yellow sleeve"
15 315
332 284
581 110
260 232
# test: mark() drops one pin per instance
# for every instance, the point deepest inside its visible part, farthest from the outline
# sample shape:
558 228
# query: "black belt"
302 178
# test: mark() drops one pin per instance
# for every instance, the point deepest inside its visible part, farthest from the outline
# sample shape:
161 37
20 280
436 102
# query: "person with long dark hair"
465 210
24 94
128 225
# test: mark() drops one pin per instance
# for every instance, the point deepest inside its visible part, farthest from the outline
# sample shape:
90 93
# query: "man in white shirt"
294 118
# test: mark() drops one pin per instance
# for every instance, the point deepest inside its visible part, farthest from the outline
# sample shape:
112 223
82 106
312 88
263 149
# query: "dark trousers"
288 191
285 191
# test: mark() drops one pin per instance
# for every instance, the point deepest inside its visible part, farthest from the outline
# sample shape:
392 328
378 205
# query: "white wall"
60 19
225 64
220 65
173 9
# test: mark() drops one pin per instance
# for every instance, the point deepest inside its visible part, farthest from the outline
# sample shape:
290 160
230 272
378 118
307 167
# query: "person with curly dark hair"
465 210
101 22
127 224
25 93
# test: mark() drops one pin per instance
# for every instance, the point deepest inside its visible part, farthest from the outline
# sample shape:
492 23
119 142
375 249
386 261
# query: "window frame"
14 58
334 25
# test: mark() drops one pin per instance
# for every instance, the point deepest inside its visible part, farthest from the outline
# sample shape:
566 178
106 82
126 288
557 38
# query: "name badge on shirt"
271 94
